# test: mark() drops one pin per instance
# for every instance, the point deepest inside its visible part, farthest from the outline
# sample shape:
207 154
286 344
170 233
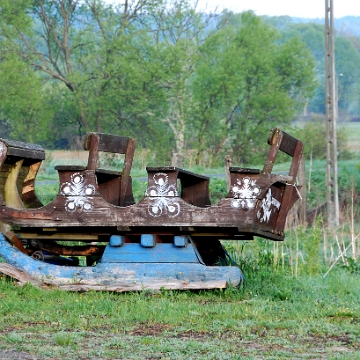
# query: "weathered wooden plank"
26 153
22 145
72 168
241 170
221 216
21 149
20 275
59 236
107 142
155 285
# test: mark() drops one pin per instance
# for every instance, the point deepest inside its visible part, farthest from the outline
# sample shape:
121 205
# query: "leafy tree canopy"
157 70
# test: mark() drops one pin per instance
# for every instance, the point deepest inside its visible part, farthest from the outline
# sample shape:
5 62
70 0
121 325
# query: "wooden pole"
331 119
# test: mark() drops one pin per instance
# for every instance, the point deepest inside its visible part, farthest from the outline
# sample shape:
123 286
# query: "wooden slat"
108 143
24 150
288 144
26 153
116 286
59 236
241 170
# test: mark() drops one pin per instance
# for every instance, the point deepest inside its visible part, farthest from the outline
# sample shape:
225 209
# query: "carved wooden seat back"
280 140
98 142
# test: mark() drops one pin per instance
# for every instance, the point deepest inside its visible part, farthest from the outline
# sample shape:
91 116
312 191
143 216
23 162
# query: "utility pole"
331 119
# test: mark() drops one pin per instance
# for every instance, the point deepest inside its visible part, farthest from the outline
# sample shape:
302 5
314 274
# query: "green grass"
352 131
274 316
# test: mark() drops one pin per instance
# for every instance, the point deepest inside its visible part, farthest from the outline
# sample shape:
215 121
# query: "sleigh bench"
173 181
248 186
114 186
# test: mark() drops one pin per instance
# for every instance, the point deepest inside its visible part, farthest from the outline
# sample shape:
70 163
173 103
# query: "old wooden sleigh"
170 239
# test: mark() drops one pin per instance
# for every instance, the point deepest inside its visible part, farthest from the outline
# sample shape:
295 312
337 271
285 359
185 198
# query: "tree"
92 55
23 104
348 75
246 83
178 30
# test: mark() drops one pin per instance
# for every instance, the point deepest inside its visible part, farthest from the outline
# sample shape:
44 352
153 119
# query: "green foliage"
165 75
353 266
218 189
46 191
347 58
348 76
313 135
239 101
22 100
139 188
310 245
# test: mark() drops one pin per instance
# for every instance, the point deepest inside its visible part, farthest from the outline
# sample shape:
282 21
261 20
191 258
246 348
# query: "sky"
295 8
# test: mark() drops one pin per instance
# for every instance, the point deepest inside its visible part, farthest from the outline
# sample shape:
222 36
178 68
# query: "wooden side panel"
11 193
195 190
28 187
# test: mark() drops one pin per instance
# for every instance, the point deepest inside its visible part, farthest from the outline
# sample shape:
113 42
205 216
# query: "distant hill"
347 24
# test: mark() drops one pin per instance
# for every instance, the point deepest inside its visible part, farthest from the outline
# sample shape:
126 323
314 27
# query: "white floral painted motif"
160 194
3 149
244 193
267 206
78 195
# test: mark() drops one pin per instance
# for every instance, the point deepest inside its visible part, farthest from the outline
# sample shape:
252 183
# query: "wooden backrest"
95 142
280 140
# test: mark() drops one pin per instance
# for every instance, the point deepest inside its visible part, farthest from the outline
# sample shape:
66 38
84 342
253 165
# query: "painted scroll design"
78 195
268 204
160 195
244 193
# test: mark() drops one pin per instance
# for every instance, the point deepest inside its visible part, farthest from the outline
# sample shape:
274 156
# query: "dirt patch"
150 330
16 355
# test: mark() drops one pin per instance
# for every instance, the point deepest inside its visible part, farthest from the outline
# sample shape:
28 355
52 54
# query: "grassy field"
273 316
352 131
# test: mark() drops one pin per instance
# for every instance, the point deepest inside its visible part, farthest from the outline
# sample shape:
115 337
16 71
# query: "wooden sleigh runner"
169 239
